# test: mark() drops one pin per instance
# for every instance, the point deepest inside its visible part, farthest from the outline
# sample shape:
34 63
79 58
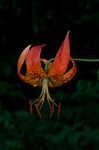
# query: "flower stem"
76 59
86 60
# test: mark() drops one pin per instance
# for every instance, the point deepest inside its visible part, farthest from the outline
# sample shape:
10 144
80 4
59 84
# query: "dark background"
37 22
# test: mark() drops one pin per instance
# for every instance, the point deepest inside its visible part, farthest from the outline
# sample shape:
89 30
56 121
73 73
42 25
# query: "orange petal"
33 59
34 70
71 73
61 61
21 61
56 81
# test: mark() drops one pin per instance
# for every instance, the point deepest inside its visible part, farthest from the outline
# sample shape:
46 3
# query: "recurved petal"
56 81
21 61
61 61
33 61
71 73
34 70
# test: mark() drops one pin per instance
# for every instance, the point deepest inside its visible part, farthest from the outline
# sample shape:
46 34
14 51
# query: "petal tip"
68 32
43 45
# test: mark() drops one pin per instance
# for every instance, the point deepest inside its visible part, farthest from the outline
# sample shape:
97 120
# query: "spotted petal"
34 70
33 61
56 81
71 73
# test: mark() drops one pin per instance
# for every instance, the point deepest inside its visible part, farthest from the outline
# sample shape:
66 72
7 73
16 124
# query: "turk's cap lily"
56 73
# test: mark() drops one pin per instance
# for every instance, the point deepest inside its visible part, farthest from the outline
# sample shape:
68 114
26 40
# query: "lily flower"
53 75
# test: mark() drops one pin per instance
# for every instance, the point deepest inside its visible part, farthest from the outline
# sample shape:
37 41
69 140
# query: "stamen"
52 109
39 102
59 109
37 109
31 108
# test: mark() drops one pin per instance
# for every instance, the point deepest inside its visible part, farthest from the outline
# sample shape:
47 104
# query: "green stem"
76 59
86 60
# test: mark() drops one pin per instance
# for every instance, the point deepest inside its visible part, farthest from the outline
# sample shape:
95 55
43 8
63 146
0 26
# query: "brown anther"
52 109
31 108
37 108
59 109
